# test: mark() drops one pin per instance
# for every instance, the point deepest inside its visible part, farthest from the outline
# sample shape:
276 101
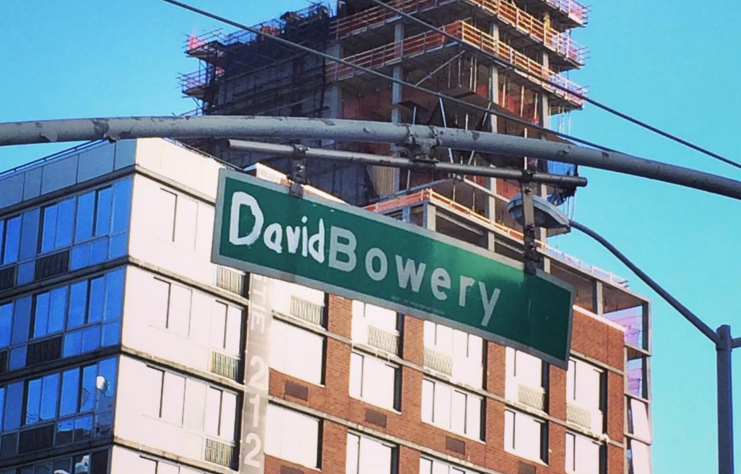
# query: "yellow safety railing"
429 41
508 13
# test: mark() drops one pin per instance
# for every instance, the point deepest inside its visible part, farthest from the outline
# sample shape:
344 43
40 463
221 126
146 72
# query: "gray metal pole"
352 130
300 151
724 348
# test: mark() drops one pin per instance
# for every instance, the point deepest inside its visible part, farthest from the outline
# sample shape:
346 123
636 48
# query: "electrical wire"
409 85
578 95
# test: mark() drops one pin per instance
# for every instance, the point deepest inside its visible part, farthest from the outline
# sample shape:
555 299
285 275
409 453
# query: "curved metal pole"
724 345
689 315
359 131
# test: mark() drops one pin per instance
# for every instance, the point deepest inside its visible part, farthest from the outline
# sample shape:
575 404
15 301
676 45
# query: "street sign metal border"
219 259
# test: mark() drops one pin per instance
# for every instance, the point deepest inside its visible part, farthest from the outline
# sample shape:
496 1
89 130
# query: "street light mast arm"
736 342
689 315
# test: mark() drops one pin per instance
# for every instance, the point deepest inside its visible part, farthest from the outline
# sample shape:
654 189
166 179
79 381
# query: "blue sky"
671 63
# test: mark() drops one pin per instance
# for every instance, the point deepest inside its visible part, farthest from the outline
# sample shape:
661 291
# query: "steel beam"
359 131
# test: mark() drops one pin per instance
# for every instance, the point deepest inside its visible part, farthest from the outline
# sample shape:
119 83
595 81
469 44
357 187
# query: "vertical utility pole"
724 348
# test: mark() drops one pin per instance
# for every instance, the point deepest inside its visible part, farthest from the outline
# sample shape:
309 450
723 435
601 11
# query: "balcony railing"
509 14
426 42
440 200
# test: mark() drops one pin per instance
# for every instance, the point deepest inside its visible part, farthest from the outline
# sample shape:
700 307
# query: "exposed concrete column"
396 91
491 203
333 93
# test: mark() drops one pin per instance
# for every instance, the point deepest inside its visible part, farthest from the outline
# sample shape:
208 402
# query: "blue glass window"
30 234
70 392
21 320
49 228
2 406
87 396
65 223
57 309
97 299
72 344
41 314
121 205
91 338
114 294
12 240
103 212
33 401
85 216
49 397
6 321
13 406
77 304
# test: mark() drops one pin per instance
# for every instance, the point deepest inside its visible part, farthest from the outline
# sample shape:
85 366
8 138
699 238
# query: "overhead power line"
583 97
365 70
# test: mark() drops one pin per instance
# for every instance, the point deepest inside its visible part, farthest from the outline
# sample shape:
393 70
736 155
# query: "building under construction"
506 60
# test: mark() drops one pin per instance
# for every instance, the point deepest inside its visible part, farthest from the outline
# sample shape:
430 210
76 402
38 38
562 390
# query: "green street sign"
361 255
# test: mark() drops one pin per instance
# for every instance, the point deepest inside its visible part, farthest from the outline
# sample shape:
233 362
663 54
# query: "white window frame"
362 380
438 408
511 444
467 351
575 454
429 465
288 360
357 444
283 429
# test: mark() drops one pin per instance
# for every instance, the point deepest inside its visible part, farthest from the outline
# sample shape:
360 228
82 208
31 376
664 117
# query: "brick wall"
591 338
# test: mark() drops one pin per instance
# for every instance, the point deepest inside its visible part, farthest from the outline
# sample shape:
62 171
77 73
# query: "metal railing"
431 41
558 42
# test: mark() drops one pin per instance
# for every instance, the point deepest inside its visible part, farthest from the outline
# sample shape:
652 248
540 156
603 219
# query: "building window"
525 436
375 326
152 466
434 466
296 352
526 379
455 353
177 219
293 436
452 409
42 396
50 308
584 387
88 463
221 412
374 381
10 239
171 306
6 324
638 424
582 455
187 402
226 324
57 225
370 456
298 301
639 457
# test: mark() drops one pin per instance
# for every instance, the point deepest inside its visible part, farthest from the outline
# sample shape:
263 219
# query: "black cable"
578 95
383 76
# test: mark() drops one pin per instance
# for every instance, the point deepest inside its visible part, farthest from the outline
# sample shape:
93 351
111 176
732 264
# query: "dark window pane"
41 314
33 401
83 429
43 468
99 464
72 344
121 205
12 239
61 466
6 320
87 395
64 432
49 397
103 212
30 234
85 210
2 238
57 309
81 464
13 406
21 320
65 223
97 299
114 294
91 338
70 392
77 304
49 228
